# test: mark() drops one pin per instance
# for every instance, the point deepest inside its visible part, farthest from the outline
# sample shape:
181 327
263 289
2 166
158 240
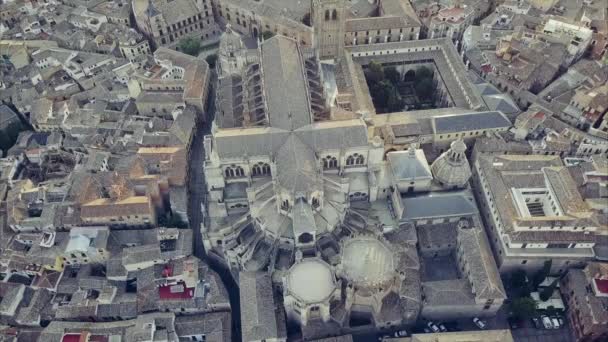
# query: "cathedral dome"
311 281
367 262
452 168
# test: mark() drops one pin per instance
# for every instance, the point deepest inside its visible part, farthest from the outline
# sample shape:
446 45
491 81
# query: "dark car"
515 323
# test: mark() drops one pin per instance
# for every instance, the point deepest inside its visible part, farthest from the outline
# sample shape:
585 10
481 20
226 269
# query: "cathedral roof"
284 77
296 165
410 164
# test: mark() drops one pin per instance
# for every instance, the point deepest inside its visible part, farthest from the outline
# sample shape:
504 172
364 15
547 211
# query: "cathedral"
308 193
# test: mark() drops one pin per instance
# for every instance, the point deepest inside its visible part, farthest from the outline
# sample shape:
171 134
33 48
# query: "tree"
425 89
391 74
374 73
519 284
190 46
169 220
547 292
523 308
424 73
211 60
9 135
542 274
267 35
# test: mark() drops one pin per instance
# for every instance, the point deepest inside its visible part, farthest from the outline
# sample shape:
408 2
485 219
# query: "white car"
479 323
546 322
433 327
555 322
442 327
400 333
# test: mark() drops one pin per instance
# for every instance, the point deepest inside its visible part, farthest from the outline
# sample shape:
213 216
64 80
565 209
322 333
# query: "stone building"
326 25
534 212
302 190
167 22
586 292
164 86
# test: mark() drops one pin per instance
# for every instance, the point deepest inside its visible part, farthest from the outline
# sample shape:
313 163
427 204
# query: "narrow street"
196 196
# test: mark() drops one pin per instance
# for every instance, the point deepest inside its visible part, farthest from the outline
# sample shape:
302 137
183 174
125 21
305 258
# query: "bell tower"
328 18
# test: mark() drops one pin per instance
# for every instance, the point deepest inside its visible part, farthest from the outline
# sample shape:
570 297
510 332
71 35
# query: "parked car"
555 322
479 323
561 321
514 323
537 323
433 327
546 322
400 333
442 327
452 326
427 330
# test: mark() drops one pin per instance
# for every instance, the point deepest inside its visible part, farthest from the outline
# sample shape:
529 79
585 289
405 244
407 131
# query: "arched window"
334 15
326 14
355 159
358 196
359 160
305 238
239 172
350 160
285 205
256 170
260 169
229 172
330 162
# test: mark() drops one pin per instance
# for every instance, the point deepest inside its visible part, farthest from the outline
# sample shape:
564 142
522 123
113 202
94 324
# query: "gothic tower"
328 18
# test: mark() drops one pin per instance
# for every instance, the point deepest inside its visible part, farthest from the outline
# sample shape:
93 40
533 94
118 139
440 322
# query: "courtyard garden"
392 91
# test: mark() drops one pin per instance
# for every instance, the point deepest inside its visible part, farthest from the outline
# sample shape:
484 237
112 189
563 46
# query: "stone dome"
367 262
311 281
452 168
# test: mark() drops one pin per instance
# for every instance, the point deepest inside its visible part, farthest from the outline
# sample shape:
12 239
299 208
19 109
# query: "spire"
151 11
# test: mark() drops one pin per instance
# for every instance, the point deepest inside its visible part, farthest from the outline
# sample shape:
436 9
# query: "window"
285 205
523 262
355 159
334 15
229 172
326 14
330 162
260 169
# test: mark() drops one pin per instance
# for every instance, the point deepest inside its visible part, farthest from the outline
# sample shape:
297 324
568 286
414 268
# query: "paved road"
196 193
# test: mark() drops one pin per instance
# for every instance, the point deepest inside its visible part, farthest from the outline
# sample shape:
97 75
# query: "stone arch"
410 76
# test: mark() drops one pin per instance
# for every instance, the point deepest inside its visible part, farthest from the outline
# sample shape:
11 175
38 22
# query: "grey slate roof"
457 203
258 318
409 165
470 122
483 274
285 83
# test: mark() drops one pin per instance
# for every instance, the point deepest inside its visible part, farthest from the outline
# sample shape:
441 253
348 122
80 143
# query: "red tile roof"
601 285
71 338
179 292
